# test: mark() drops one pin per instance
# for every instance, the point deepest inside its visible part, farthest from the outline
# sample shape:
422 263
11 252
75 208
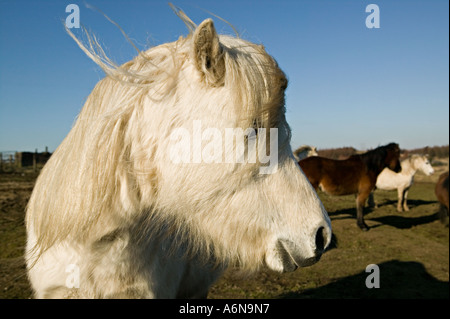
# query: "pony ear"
208 53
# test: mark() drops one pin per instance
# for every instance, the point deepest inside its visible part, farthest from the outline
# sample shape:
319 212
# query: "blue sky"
348 85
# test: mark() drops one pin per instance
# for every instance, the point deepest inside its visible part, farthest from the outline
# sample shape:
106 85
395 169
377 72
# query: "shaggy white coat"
111 205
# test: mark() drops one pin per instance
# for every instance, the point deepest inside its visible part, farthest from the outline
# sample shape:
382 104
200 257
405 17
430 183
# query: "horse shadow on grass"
397 280
403 221
412 203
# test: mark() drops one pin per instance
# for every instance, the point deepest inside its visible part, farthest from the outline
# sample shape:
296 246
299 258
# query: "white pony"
305 151
389 180
111 216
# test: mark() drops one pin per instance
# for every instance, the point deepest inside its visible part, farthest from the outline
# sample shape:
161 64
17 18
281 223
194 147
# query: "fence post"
18 160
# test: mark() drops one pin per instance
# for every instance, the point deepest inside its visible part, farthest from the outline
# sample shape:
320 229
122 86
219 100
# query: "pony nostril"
320 240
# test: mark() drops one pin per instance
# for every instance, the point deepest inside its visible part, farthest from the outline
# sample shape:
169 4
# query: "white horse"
389 180
111 216
305 151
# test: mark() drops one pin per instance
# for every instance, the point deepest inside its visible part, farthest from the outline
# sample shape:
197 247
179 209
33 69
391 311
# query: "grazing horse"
112 215
305 151
389 180
442 193
355 175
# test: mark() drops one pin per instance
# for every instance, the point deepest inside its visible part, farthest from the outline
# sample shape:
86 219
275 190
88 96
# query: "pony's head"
233 209
305 151
421 162
203 87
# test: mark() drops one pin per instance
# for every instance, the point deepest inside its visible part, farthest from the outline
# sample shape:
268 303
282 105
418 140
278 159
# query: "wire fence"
14 161
7 155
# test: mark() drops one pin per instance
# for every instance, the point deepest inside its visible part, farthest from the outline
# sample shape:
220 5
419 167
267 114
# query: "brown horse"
355 175
441 191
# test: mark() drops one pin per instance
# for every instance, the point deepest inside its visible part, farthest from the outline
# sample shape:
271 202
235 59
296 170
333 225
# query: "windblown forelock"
257 81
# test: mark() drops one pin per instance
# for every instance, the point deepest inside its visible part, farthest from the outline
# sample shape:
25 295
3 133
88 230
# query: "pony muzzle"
291 256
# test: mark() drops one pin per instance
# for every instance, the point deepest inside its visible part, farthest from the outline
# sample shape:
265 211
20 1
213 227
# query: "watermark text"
212 145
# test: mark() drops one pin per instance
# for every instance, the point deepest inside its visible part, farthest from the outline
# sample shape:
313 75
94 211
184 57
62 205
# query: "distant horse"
442 193
389 180
112 215
305 151
355 175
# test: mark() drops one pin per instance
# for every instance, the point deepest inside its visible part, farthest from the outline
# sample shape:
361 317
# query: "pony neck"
373 160
408 166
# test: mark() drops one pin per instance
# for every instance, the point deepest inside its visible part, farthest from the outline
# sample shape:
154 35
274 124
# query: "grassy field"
410 248
15 190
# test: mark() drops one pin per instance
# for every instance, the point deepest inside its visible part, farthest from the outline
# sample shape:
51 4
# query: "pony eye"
255 126
252 133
